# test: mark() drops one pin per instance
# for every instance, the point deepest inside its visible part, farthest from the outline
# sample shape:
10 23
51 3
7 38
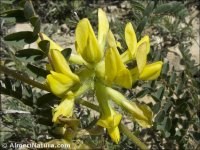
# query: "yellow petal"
123 78
109 121
110 65
82 33
59 83
151 71
103 27
126 56
145 39
141 55
111 40
87 44
65 108
114 134
53 45
62 78
60 64
112 59
130 38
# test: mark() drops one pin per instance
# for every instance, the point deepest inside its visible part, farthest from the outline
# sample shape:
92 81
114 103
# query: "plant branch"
133 138
23 78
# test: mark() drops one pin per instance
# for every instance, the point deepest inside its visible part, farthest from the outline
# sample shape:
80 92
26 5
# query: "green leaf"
66 53
167 133
27 36
149 9
44 46
172 79
18 14
175 8
28 9
156 108
35 21
183 107
158 95
179 87
38 71
137 5
47 100
160 116
142 25
167 123
165 68
167 106
142 93
29 52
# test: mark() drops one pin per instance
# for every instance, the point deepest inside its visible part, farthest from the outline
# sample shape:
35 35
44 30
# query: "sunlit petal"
86 42
103 27
141 56
123 78
59 83
151 71
114 134
65 108
130 38
115 70
60 64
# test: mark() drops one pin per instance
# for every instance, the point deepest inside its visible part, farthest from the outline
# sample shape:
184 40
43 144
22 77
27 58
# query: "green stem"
126 131
23 78
123 128
88 104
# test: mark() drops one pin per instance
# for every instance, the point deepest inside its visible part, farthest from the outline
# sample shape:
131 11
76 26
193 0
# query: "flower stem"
87 104
23 78
126 131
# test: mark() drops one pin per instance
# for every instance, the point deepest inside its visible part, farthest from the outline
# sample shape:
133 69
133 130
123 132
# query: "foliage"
175 94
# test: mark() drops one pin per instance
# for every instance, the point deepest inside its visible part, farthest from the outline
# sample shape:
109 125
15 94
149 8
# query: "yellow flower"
62 78
59 83
60 65
109 118
115 70
101 71
131 41
142 114
143 70
87 45
138 51
65 108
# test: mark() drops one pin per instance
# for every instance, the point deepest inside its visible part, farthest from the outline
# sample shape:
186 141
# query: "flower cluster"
102 68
